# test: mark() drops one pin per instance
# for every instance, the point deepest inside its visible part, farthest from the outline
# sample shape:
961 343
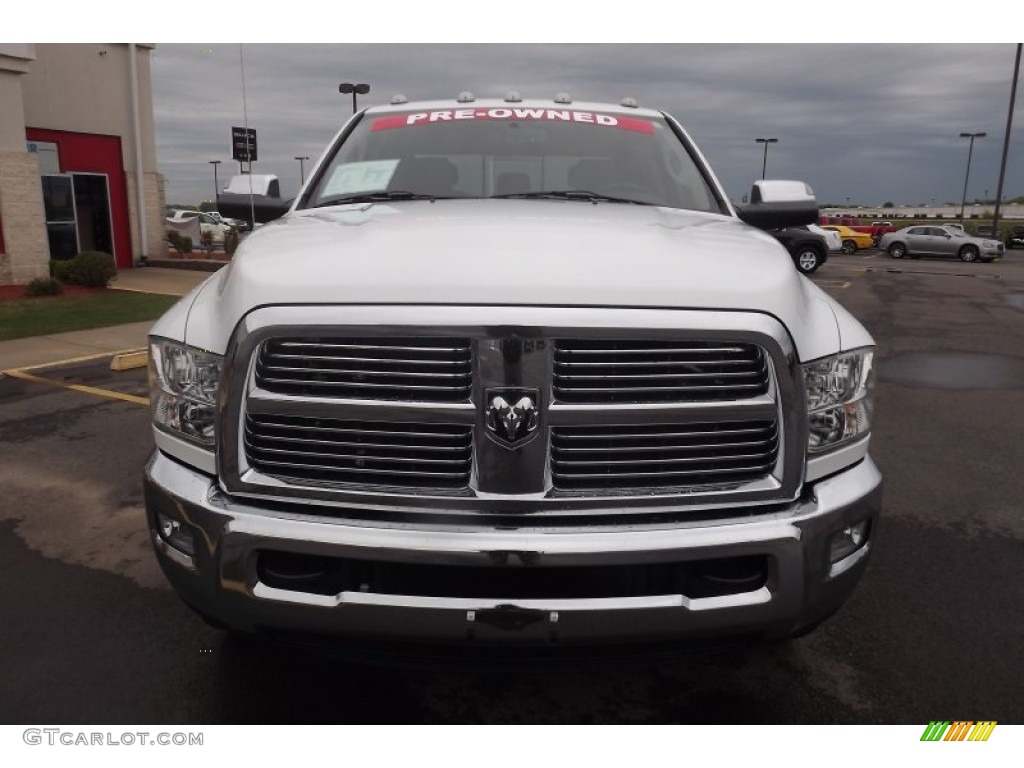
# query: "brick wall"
21 209
153 200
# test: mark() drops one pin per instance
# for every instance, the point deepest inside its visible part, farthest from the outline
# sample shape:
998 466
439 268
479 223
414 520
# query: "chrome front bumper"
221 578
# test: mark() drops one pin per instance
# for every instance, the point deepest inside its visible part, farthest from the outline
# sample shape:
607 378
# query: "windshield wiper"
377 197
571 194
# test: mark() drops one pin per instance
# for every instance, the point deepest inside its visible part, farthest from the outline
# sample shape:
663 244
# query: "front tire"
897 250
849 247
969 253
807 260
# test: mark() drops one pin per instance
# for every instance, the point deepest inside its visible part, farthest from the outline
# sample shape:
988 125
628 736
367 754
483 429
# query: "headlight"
183 389
838 399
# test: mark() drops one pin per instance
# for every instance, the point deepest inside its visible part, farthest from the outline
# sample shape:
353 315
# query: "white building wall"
87 88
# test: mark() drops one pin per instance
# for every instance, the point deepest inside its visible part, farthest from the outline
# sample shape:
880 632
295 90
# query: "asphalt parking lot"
92 634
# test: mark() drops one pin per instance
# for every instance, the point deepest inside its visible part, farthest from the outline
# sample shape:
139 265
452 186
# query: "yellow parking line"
70 360
21 374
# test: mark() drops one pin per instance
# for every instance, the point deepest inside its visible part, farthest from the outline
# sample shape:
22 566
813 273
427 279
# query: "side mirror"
266 208
778 204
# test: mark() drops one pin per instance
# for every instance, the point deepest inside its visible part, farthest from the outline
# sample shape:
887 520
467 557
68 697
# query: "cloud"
866 122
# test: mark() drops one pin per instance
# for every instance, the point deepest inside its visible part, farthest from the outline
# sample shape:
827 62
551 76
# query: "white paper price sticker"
369 176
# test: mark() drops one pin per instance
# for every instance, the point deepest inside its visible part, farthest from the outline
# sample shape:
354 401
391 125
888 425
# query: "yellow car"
852 239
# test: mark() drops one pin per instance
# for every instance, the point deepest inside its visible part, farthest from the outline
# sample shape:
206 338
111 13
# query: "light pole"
967 175
354 88
764 162
216 185
302 168
1006 137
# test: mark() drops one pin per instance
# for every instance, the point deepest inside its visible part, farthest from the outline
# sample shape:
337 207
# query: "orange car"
852 239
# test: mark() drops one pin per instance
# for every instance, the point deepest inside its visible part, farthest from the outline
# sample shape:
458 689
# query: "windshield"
514 152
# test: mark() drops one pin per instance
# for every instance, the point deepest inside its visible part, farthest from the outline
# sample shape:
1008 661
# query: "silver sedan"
929 240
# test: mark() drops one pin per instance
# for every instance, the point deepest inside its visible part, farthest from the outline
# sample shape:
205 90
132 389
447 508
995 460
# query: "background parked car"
852 239
207 223
238 224
832 238
809 251
945 241
1015 239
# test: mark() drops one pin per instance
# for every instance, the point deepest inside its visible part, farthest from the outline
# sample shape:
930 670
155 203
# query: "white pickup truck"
508 374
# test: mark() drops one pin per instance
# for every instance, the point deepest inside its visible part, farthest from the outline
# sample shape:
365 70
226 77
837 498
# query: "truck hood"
513 253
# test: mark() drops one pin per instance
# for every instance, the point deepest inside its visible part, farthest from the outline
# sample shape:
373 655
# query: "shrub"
206 240
186 244
63 270
94 269
174 238
231 242
43 286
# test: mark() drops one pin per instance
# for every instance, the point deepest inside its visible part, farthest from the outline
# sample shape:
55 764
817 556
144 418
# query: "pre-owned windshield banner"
513 113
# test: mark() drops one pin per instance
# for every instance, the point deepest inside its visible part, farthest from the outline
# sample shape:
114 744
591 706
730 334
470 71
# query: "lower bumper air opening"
320 575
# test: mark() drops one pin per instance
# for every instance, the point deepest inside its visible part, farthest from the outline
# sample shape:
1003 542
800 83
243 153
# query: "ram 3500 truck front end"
514 375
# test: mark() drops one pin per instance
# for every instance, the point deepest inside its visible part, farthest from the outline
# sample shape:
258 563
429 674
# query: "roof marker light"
629 101
465 97
563 98
399 98
513 96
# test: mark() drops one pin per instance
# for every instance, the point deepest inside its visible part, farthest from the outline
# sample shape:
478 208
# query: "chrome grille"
364 452
302 438
424 369
653 371
664 455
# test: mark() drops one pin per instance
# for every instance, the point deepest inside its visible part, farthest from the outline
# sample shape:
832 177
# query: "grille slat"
357 372
660 456
423 345
394 385
675 394
376 446
655 371
319 426
649 376
427 456
404 369
659 449
658 479
367 360
673 363
601 433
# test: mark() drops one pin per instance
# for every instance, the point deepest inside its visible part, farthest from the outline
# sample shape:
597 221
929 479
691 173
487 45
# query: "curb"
203 265
125 361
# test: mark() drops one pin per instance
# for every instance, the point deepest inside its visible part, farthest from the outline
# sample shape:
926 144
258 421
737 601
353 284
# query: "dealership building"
77 156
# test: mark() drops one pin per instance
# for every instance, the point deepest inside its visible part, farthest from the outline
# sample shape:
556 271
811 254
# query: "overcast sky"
866 122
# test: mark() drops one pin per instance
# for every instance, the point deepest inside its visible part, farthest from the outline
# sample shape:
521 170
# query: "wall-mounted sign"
47 154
